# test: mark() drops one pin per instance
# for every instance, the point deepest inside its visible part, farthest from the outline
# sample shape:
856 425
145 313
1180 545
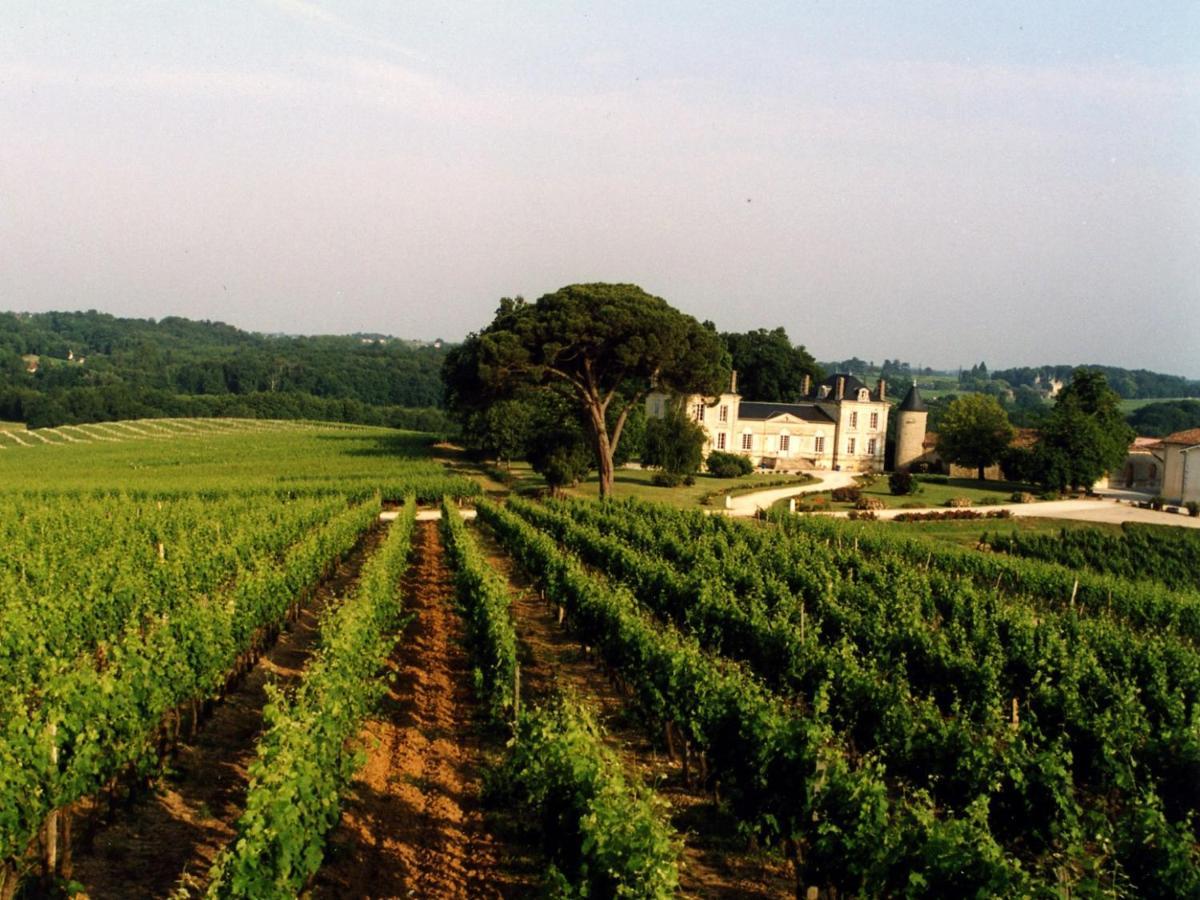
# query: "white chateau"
841 424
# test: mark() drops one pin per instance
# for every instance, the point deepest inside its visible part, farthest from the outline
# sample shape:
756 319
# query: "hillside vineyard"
236 660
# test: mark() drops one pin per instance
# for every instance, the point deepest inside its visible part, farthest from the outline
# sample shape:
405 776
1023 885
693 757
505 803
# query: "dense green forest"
69 367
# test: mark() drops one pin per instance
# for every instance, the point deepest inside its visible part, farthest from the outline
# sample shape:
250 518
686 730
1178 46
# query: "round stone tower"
910 429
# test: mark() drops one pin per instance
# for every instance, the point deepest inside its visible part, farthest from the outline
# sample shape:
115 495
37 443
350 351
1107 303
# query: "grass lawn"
935 494
12 426
636 483
1128 406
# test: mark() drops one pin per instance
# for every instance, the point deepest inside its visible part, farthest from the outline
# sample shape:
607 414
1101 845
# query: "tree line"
71 367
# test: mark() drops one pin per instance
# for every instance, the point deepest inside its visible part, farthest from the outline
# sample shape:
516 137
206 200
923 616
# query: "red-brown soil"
715 862
168 840
414 823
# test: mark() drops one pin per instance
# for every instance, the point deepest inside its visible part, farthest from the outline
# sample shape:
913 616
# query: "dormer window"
863 395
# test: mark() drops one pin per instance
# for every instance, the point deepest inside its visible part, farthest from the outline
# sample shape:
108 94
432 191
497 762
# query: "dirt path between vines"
715 862
414 823
167 841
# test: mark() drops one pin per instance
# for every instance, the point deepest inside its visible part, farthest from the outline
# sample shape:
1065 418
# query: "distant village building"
840 424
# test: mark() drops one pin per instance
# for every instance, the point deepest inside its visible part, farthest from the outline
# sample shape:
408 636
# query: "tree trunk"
605 462
982 476
604 450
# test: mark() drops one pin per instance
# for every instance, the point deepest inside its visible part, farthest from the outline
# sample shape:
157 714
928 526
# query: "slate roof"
913 402
853 385
808 412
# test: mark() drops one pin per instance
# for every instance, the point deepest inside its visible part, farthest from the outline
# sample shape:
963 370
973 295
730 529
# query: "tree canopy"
1085 436
71 367
1167 417
674 442
606 345
769 366
974 431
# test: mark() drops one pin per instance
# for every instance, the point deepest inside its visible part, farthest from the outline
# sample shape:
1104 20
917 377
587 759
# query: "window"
724 416
850 445
874 420
819 446
721 440
698 413
871 447
747 442
784 441
863 395
853 420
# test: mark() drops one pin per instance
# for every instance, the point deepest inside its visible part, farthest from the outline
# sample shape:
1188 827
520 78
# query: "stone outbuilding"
1180 453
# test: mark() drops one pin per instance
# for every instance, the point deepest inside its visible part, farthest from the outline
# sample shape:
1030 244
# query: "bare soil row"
165 840
416 822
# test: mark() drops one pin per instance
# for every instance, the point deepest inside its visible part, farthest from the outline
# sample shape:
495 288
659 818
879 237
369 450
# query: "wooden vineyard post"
517 692
52 819
1074 591
1016 713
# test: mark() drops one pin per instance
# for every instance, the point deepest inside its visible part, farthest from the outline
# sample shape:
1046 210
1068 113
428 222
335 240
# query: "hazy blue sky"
1017 182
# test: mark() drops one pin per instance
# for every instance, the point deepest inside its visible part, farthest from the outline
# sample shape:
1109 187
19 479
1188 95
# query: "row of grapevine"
877 669
1160 553
1108 712
1142 603
483 598
106 717
784 772
603 832
306 756
76 576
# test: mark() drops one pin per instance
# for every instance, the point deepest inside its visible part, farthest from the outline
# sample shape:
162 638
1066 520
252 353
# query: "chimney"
806 386
733 381
841 387
882 389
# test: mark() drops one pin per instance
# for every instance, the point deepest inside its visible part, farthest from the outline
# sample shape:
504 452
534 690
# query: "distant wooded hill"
1131 384
68 367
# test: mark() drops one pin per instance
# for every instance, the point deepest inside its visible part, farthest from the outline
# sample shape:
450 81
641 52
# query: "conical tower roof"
913 402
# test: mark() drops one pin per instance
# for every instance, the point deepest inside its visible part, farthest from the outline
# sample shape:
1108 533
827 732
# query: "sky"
938 182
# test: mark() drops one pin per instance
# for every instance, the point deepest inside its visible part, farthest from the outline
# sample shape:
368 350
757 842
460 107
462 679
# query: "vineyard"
893 722
211 634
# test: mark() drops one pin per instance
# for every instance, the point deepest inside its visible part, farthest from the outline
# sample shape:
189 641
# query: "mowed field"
221 674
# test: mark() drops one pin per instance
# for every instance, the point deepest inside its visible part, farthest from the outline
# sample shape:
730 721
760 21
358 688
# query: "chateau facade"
840 424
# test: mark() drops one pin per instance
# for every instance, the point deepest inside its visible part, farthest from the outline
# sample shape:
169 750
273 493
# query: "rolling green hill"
71 367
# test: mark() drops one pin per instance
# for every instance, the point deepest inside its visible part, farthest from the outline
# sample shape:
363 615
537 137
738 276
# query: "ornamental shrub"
728 465
903 483
849 494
